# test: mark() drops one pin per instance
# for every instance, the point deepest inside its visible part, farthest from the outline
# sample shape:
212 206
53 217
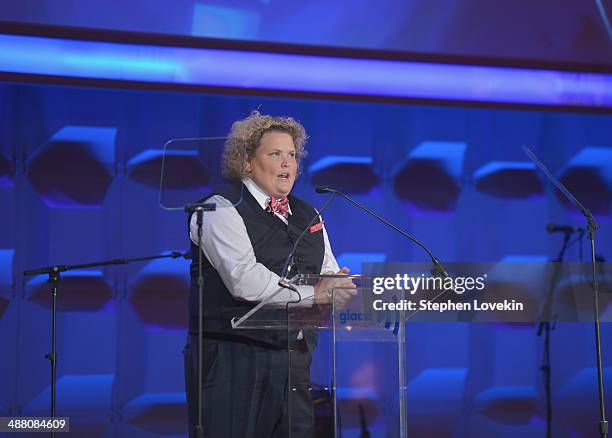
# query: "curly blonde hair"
245 135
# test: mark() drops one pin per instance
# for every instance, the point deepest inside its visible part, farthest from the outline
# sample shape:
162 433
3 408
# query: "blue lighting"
353 260
159 398
438 150
525 259
6 266
593 157
599 158
449 153
70 389
596 158
441 386
157 154
172 267
38 280
496 166
333 160
492 395
303 73
49 56
99 141
108 62
358 394
223 22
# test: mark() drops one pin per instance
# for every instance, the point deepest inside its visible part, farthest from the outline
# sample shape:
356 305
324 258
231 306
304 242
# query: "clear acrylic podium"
358 373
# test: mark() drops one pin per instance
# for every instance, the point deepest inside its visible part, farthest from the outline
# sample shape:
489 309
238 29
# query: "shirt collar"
260 196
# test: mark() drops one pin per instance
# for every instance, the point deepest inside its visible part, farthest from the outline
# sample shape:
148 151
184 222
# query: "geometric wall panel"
523 282
502 279
137 336
524 259
508 404
75 167
574 293
216 20
6 170
182 169
354 403
430 177
345 173
159 293
353 260
4 303
70 400
78 290
159 413
588 176
434 401
508 179
6 267
577 402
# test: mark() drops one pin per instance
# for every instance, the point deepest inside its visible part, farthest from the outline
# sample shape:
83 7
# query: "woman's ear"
247 167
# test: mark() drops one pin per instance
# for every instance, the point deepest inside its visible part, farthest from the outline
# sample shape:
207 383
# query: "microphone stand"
284 283
592 227
438 270
199 209
545 326
363 423
54 279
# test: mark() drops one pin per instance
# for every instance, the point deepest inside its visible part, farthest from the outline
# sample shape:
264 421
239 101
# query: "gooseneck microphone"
554 228
439 267
283 280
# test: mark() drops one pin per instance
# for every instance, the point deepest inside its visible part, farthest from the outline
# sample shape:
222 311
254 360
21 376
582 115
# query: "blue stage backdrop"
75 187
573 31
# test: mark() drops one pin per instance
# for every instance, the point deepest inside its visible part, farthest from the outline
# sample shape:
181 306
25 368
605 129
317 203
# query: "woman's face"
274 166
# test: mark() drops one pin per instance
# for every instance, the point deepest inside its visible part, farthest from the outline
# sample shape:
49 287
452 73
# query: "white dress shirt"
227 247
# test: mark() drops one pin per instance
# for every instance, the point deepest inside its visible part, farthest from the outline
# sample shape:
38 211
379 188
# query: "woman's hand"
343 288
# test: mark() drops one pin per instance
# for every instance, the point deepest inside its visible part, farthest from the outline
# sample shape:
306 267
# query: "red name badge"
316 227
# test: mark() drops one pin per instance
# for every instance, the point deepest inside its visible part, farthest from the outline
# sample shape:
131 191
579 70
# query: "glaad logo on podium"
348 316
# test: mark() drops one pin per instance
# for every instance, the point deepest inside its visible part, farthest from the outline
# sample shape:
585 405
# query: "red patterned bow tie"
280 206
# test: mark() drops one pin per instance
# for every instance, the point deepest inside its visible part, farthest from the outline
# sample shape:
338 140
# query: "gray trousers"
246 391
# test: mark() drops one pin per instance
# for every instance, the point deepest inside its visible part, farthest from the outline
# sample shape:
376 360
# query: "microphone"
363 423
554 228
438 270
284 281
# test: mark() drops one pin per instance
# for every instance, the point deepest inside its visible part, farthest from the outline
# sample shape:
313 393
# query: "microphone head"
551 227
323 189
